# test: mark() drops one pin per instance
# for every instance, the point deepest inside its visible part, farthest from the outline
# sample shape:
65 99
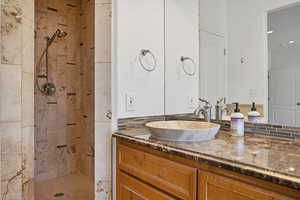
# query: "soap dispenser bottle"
253 115
237 122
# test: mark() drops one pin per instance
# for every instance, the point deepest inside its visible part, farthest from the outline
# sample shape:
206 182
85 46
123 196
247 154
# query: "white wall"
181 36
140 25
246 40
213 16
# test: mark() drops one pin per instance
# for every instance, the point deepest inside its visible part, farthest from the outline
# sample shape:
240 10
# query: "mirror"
238 51
250 52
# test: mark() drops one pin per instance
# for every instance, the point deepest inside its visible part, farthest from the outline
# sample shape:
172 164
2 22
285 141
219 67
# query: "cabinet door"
214 187
131 189
139 25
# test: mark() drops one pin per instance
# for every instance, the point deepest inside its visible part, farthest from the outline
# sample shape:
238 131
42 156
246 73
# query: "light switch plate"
130 102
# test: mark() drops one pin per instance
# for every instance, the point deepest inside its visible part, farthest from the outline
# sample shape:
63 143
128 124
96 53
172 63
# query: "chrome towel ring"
144 53
183 59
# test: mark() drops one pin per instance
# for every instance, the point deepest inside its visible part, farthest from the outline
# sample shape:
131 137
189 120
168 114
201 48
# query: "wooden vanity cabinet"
146 174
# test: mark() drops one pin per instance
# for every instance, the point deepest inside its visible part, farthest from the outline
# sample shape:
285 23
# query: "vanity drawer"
129 188
172 177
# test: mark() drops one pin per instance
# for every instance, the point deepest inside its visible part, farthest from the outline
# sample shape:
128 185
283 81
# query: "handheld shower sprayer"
58 34
48 88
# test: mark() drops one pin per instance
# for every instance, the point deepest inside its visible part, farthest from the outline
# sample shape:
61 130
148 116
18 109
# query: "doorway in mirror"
212 67
284 61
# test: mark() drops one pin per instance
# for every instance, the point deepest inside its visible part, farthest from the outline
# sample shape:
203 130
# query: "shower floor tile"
71 187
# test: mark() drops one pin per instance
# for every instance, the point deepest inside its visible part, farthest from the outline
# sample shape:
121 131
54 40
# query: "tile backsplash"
260 129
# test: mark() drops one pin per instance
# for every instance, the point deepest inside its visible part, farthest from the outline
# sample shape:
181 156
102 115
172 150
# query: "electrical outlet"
130 102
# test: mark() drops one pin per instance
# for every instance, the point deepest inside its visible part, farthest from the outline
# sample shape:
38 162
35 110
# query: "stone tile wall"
69 114
87 47
59 118
17 99
103 99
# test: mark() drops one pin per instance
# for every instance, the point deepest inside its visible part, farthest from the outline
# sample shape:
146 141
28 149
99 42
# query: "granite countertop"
274 160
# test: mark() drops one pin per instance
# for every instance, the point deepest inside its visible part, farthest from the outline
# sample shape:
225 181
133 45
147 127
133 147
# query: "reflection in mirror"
284 61
250 52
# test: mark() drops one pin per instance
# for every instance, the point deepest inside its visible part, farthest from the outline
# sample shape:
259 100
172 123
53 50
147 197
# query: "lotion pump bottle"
253 115
237 122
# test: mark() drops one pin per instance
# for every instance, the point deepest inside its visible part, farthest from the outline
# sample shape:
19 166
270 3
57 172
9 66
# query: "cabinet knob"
298 104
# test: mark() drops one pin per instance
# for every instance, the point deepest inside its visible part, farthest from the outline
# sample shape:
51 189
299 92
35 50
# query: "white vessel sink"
183 130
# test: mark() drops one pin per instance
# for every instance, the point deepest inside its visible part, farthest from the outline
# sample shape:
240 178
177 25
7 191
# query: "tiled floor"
71 187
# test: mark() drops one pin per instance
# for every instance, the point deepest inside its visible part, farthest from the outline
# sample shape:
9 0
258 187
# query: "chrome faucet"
205 110
221 108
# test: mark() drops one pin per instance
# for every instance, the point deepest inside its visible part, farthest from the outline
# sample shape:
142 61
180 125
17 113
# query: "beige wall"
17 99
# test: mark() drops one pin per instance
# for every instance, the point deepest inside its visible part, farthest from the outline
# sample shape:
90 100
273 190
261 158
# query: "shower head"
58 33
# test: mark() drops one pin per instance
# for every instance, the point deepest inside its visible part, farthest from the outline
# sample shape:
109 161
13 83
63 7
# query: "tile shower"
64 134
28 151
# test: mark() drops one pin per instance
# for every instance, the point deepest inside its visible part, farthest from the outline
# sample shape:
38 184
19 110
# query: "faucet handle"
207 103
220 101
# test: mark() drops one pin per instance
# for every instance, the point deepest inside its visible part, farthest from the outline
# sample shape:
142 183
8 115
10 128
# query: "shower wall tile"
102 1
12 189
41 6
103 189
28 36
11 32
87 85
27 99
59 117
11 160
41 31
103 150
102 91
10 138
73 52
27 162
53 3
16 99
27 110
10 95
103 130
103 160
103 33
